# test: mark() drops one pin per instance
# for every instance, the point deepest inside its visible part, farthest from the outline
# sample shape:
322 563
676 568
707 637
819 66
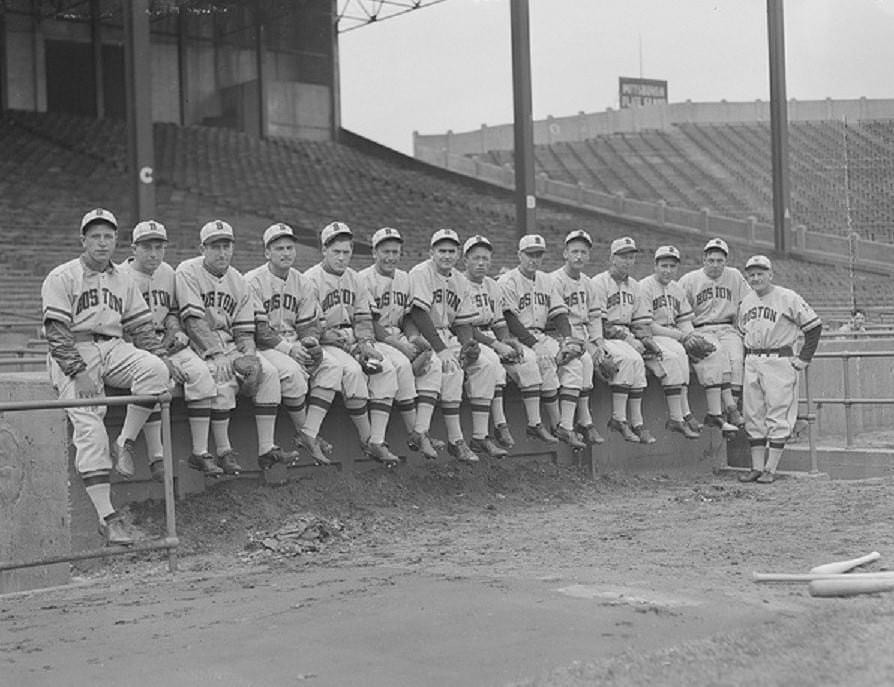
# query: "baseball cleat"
622 427
314 446
157 469
692 423
122 456
436 443
228 463
734 416
460 450
381 453
504 436
115 531
265 461
325 446
488 447
645 436
570 437
681 427
420 441
750 476
766 478
589 434
205 463
538 431
718 422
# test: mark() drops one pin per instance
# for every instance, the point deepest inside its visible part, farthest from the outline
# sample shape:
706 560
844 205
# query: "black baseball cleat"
228 463
503 436
570 437
750 476
540 432
116 532
314 446
157 470
681 427
589 434
692 423
381 453
204 463
460 450
488 447
734 416
718 422
644 435
122 456
420 441
766 477
622 427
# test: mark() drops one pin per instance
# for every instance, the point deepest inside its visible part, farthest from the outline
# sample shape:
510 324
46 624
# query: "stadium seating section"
55 167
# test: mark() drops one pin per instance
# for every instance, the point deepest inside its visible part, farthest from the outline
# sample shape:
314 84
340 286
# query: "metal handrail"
170 542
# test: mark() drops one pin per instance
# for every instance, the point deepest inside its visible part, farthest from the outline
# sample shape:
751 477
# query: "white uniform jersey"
158 291
390 296
288 304
443 297
534 301
622 301
344 300
104 303
581 298
714 301
670 307
226 302
775 319
486 299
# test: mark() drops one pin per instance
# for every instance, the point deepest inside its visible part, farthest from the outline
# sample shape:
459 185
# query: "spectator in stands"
857 323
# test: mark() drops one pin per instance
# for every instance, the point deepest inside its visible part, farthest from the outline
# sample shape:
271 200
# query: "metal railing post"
168 462
848 406
811 440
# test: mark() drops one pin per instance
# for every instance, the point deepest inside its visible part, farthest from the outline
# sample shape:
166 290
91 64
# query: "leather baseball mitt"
340 337
422 354
248 372
314 350
606 369
370 359
469 353
697 347
614 331
570 349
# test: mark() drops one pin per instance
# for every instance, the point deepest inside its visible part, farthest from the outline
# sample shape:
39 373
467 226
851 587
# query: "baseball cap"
216 229
98 215
625 244
578 234
334 229
761 261
384 234
277 231
531 242
476 240
444 235
717 244
149 229
667 252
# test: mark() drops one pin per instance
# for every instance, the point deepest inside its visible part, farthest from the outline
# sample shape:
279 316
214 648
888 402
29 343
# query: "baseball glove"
248 372
340 337
314 351
570 349
606 369
517 354
614 331
697 347
370 359
469 353
174 341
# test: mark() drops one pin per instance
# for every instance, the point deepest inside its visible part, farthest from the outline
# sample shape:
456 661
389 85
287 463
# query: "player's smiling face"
281 253
715 261
529 261
759 279
620 264
218 254
666 270
388 256
577 255
478 262
99 243
337 255
444 254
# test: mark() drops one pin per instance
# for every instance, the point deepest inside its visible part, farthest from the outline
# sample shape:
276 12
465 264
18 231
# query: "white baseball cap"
531 242
444 235
625 244
98 215
386 234
277 231
717 244
216 229
333 230
149 229
760 261
667 252
476 240
578 234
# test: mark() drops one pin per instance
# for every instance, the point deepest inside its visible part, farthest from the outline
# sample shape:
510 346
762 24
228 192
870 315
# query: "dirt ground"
522 574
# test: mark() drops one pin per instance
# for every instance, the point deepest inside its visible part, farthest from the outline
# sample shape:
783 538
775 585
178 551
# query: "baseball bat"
809 577
844 566
850 585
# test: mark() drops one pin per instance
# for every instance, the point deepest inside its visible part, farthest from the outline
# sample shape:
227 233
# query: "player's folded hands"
221 368
449 361
176 373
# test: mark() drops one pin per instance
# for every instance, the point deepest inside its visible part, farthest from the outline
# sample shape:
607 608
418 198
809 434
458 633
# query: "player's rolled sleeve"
422 289
557 305
189 295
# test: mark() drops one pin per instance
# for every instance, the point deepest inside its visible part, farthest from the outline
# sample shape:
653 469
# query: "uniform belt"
709 324
91 337
783 352
539 330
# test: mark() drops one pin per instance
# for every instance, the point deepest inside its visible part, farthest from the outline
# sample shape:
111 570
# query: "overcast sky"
449 66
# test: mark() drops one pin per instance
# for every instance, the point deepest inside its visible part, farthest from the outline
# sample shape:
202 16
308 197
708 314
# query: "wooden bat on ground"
844 566
851 585
810 577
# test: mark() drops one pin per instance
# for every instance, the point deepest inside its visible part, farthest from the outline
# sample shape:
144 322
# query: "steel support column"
96 41
525 194
261 58
138 82
335 92
183 67
779 126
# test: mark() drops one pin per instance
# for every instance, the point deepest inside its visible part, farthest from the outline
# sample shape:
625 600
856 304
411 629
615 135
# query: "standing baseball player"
155 280
218 313
88 305
369 380
533 300
287 336
418 370
628 336
771 318
671 325
442 312
714 291
585 317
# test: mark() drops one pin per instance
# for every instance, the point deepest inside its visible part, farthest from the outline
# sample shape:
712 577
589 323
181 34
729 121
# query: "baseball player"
671 323
532 300
418 381
628 336
442 312
288 338
368 379
155 280
88 305
585 317
771 318
218 312
714 291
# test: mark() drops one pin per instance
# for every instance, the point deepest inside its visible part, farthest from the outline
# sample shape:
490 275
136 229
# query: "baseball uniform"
669 307
584 314
623 306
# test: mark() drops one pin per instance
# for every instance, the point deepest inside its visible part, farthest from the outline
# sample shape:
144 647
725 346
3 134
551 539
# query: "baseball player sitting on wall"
88 305
218 313
287 336
533 304
418 369
672 330
771 319
369 380
442 312
628 337
585 317
714 291
155 280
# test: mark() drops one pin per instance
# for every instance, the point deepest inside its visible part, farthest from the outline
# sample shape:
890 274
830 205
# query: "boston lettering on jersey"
218 299
400 299
483 300
157 297
286 301
451 298
666 300
337 297
91 298
538 299
618 298
761 312
712 292
575 298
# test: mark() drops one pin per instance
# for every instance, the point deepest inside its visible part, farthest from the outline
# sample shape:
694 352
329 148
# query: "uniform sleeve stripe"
142 314
56 314
419 303
191 311
811 324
